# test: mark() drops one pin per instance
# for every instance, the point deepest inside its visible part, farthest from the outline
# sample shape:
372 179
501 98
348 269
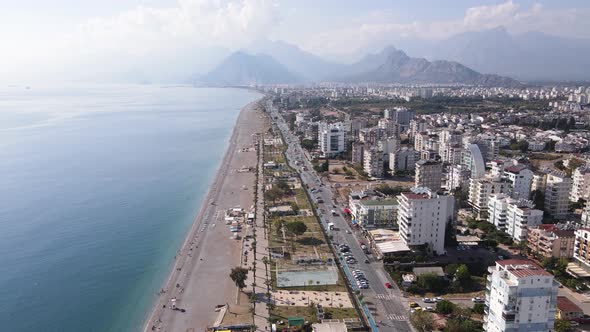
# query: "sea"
98 188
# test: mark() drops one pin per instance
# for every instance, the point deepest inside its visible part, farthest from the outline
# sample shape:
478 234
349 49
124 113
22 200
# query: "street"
389 310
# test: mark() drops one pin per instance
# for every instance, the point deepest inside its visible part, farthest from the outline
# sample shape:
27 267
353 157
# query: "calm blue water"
98 187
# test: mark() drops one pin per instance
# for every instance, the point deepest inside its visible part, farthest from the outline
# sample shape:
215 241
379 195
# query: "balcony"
509 316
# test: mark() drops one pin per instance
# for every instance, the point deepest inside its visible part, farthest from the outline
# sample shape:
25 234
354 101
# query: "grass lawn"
341 313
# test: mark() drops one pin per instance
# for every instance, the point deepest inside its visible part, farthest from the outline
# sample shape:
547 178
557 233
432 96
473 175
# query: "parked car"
427 300
477 300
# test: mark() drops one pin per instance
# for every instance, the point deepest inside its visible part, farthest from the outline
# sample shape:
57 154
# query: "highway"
389 309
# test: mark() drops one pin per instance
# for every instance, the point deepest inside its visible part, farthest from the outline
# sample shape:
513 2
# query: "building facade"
428 174
557 192
423 216
549 241
331 139
520 296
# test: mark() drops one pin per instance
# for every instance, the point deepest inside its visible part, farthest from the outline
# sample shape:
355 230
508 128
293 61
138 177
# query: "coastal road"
389 309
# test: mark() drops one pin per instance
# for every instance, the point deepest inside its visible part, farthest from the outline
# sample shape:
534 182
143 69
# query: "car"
388 285
429 309
414 305
348 231
367 261
427 300
438 299
573 323
477 300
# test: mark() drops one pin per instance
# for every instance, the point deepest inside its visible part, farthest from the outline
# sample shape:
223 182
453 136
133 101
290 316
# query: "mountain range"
463 58
391 65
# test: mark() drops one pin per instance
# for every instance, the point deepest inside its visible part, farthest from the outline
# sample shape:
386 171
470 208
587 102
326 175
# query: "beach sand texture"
199 279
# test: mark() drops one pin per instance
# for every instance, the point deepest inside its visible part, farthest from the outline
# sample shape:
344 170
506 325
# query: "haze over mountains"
466 58
292 65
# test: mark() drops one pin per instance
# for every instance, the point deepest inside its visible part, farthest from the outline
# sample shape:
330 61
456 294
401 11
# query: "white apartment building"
557 193
497 208
457 177
580 184
390 127
428 174
521 179
388 145
450 146
373 163
520 296
331 138
581 253
480 191
520 215
423 216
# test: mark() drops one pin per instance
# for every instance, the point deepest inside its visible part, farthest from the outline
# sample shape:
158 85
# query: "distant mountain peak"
242 68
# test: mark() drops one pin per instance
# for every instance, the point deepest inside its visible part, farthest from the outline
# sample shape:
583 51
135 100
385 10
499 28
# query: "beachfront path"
200 278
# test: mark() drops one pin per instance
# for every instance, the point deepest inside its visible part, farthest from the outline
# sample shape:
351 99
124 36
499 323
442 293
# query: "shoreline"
186 255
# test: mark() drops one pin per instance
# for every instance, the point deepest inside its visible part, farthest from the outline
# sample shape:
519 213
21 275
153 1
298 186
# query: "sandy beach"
199 279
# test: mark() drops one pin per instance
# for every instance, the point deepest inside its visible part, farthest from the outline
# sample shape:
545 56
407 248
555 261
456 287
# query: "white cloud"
144 36
566 22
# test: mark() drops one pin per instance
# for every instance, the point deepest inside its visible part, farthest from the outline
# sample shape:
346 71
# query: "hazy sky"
99 39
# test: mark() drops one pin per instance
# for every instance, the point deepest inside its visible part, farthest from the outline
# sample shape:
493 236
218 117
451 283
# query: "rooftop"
565 304
521 268
373 202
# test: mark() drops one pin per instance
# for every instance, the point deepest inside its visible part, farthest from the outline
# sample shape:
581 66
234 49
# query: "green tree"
431 282
479 308
463 275
296 228
445 307
562 325
422 321
239 275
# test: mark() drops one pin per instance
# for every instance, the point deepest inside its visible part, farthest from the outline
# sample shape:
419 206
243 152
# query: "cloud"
565 22
145 36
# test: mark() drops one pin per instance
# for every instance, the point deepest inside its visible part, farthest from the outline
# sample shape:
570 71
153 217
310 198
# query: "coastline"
189 253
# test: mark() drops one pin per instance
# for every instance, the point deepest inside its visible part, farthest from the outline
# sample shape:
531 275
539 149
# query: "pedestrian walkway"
398 318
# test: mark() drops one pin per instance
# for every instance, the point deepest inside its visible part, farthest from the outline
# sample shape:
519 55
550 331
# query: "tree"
445 307
239 275
296 228
538 198
463 275
479 308
422 321
431 282
562 325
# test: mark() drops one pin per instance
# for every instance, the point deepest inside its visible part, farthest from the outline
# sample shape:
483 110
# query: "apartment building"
548 240
403 159
480 191
331 138
513 216
521 179
372 213
557 192
581 254
580 184
423 216
520 215
497 209
428 174
373 163
457 177
520 296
